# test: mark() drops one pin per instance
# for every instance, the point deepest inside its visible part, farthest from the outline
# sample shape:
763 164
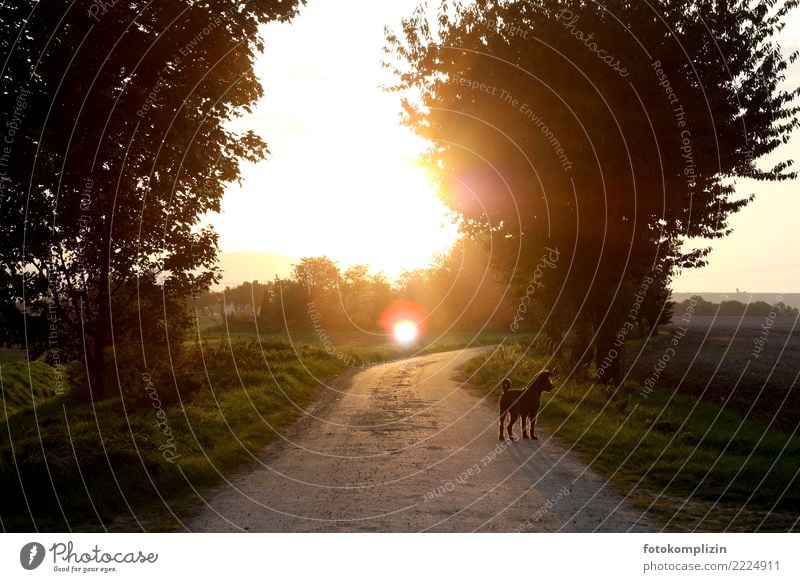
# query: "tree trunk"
608 358
97 387
582 348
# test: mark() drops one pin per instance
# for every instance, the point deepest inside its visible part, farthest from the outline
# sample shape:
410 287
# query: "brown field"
719 359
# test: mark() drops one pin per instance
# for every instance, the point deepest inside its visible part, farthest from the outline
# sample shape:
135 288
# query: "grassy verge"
663 446
137 461
129 463
23 385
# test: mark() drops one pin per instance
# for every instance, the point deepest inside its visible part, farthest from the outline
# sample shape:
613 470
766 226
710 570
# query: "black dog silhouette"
524 404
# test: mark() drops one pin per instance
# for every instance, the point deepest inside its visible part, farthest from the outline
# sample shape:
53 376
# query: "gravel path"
404 447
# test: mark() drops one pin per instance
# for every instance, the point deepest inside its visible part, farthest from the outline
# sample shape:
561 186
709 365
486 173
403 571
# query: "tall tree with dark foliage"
612 131
114 147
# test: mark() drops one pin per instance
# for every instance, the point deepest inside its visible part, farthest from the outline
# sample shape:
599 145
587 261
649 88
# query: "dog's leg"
534 414
502 423
525 434
511 426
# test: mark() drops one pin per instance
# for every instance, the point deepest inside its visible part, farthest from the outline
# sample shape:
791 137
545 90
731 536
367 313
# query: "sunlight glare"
405 331
343 178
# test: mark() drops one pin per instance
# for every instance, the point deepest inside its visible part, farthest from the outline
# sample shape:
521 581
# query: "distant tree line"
735 308
460 291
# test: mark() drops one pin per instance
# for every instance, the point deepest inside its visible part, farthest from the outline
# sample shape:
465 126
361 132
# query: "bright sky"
342 180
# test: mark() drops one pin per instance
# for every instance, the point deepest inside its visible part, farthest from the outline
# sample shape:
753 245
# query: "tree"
460 291
317 296
284 306
319 275
115 120
243 300
612 132
363 297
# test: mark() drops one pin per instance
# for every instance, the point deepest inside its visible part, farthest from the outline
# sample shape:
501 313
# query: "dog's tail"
506 385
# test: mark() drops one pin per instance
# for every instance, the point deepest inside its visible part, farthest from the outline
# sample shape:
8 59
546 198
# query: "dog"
524 404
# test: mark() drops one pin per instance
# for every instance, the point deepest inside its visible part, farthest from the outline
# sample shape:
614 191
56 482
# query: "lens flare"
404 321
405 331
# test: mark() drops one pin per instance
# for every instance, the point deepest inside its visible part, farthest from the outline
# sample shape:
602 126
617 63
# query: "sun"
343 178
405 332
405 321
372 205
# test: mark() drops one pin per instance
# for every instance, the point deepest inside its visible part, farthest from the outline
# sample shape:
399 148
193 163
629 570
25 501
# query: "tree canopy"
611 131
457 292
116 145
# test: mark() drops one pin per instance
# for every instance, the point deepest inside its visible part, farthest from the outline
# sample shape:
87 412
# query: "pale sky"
342 181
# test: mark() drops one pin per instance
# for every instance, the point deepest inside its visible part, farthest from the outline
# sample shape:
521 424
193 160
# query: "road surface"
405 447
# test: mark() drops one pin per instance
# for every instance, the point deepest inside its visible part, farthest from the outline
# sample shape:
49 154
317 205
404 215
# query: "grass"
24 385
665 444
77 467
131 464
69 466
11 355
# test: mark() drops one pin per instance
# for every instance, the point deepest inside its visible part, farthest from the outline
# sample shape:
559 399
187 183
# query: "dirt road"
404 447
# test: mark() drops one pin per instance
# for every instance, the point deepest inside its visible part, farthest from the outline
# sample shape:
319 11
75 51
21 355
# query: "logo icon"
31 555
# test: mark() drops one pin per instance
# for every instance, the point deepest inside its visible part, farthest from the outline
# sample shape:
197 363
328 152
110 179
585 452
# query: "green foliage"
610 131
26 384
121 146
